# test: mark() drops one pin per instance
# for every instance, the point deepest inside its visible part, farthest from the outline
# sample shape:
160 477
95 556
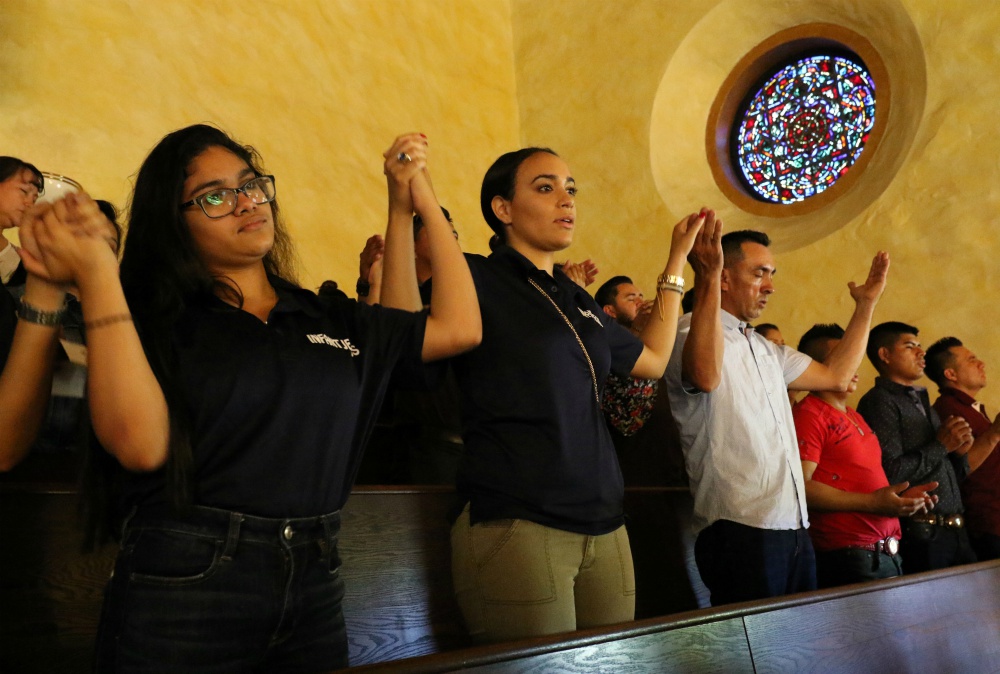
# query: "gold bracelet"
670 280
107 320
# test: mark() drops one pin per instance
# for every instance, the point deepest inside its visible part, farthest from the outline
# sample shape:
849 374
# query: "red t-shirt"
849 458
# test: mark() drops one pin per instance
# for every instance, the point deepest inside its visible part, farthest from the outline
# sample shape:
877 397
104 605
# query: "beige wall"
320 87
588 76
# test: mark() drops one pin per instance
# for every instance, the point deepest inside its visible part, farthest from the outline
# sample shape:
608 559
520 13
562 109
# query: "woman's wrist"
44 295
674 267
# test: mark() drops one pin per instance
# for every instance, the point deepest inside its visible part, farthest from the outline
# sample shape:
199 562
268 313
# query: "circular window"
794 125
804 127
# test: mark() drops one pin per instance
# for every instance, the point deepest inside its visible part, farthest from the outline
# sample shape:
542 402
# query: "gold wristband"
670 280
107 320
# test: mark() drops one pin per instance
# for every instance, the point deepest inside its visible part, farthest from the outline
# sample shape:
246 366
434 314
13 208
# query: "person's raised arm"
370 270
454 324
661 329
837 370
26 381
70 242
701 360
406 158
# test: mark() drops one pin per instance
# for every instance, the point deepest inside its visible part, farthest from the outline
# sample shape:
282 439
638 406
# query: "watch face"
891 546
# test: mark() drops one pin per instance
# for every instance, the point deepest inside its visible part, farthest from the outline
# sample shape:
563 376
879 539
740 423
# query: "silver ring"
403 157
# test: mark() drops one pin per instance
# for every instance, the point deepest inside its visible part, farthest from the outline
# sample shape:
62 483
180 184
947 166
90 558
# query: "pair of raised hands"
61 241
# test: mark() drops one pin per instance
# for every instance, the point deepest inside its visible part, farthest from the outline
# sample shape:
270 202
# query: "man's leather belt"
950 521
889 546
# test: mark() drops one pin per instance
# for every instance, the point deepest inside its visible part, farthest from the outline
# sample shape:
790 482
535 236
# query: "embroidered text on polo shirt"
338 343
590 314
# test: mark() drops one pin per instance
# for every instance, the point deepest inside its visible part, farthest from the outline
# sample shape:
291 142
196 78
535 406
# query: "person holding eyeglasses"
236 406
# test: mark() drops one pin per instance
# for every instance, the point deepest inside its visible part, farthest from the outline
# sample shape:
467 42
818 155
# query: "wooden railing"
943 621
402 617
396 566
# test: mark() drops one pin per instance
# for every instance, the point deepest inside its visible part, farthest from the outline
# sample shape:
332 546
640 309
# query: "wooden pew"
943 621
400 604
396 565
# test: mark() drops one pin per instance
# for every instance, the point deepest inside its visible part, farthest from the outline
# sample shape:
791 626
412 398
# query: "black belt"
889 546
950 521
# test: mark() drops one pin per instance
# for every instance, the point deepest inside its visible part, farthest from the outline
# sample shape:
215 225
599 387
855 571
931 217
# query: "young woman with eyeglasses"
540 547
238 405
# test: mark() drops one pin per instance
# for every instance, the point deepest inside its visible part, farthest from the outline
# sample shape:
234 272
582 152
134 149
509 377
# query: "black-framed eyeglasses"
222 202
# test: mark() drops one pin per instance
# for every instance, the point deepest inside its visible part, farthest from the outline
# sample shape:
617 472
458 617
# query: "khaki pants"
515 578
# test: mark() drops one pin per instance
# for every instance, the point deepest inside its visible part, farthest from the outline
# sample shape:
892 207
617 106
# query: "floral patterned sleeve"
628 402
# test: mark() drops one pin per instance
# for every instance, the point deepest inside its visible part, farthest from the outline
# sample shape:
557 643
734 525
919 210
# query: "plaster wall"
588 77
320 87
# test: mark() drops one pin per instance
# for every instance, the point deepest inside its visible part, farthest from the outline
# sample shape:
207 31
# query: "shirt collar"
507 255
960 396
291 299
890 385
730 322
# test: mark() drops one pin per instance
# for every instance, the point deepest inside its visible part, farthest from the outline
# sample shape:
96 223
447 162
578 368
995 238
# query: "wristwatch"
363 287
32 314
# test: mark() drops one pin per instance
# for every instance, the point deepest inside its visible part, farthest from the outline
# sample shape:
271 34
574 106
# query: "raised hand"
955 434
705 250
370 254
581 273
874 285
64 239
642 316
405 158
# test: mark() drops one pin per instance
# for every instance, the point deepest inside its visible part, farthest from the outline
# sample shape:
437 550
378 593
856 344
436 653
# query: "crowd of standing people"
228 408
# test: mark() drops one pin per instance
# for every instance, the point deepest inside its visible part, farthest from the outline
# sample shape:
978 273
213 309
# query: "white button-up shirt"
9 260
739 440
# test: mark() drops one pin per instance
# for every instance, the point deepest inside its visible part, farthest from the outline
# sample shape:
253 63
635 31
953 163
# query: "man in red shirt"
852 508
960 375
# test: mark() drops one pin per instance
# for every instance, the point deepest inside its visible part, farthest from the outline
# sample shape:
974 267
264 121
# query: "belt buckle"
953 521
890 546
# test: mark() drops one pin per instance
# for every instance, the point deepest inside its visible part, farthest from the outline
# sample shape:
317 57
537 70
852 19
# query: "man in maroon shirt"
853 509
960 375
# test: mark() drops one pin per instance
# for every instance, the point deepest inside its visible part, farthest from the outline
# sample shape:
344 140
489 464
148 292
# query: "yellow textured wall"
320 87
588 74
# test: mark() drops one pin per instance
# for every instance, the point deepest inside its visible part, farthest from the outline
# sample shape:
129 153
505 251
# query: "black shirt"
8 321
906 426
281 411
537 447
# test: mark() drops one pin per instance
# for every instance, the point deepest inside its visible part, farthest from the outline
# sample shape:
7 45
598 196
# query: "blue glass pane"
805 128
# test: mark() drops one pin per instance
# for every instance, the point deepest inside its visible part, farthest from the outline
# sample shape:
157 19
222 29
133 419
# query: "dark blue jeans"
741 563
218 591
927 547
851 565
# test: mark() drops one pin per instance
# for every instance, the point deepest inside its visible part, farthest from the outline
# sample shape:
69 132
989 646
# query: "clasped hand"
63 239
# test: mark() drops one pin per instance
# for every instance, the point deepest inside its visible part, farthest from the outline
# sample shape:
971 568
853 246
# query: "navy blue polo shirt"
280 411
537 447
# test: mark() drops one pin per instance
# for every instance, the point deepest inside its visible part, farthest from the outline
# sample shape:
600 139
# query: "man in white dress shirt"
727 388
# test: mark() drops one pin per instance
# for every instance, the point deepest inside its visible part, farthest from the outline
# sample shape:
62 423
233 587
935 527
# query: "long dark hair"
500 179
162 274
